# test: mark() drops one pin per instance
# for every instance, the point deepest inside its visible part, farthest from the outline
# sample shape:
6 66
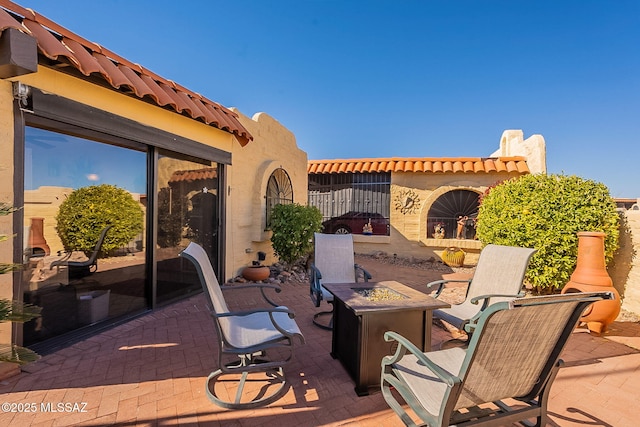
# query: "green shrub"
546 212
88 210
293 226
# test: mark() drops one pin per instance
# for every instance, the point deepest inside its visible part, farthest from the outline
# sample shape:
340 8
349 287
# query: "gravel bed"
417 263
454 294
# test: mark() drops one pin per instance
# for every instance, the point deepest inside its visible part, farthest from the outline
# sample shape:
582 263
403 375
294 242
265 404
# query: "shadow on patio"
152 371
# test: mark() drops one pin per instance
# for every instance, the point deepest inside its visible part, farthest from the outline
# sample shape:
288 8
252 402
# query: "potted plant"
453 257
438 230
256 271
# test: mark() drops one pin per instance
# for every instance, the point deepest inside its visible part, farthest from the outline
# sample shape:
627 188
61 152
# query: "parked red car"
354 222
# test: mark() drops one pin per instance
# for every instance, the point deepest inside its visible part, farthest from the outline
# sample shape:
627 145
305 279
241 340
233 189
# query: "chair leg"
327 325
543 399
393 403
275 378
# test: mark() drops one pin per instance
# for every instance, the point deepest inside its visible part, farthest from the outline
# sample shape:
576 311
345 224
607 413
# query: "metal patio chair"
514 353
333 262
258 340
79 269
498 276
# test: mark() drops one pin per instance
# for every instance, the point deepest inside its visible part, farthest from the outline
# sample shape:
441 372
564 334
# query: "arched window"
451 207
279 191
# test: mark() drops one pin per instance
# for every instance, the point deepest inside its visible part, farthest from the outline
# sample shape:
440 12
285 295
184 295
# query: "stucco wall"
625 270
409 236
512 143
6 195
273 147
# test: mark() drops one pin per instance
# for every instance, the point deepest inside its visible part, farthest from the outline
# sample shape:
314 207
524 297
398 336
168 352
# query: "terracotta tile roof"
194 175
63 47
427 165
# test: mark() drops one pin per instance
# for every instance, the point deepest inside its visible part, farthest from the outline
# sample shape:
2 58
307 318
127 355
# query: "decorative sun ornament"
407 201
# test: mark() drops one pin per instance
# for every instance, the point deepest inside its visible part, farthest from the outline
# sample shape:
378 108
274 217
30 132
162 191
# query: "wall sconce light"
21 92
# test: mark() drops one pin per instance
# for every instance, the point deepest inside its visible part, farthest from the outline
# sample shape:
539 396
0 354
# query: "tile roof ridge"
419 159
422 164
57 42
62 31
14 7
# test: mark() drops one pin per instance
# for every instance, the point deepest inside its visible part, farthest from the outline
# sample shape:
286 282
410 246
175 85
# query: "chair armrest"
261 286
279 309
314 274
487 298
441 284
270 311
403 346
315 288
365 273
62 261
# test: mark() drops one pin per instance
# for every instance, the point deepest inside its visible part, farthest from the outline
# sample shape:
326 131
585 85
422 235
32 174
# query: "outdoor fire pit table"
363 312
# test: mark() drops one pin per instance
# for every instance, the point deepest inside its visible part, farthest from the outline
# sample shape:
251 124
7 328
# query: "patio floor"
151 372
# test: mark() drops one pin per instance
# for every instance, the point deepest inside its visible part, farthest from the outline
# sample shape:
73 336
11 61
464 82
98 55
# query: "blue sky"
401 78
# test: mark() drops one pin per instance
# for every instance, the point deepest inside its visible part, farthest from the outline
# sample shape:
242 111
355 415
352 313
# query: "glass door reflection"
59 274
187 200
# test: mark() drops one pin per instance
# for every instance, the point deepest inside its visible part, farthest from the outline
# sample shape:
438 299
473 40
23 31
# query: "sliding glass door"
105 220
69 187
187 204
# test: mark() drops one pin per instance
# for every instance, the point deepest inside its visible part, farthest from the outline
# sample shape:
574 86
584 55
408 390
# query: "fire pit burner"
379 294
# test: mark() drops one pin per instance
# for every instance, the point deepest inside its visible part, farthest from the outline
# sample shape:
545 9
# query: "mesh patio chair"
514 353
79 269
259 340
333 262
498 277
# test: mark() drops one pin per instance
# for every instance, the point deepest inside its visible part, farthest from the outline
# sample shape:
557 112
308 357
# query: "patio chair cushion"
257 328
425 384
334 259
500 272
333 262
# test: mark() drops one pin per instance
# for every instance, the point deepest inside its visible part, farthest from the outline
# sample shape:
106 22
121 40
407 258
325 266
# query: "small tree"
88 210
293 226
14 311
546 212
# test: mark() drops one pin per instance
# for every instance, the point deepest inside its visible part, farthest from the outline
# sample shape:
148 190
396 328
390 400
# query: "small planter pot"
256 273
453 257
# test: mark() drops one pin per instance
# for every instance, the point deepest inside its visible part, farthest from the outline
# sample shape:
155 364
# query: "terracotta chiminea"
591 275
37 242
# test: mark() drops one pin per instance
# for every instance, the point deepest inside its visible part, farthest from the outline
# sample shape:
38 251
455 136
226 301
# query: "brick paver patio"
151 372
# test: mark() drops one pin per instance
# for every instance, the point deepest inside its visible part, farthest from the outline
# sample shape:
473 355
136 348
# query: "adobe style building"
413 196
422 199
75 114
